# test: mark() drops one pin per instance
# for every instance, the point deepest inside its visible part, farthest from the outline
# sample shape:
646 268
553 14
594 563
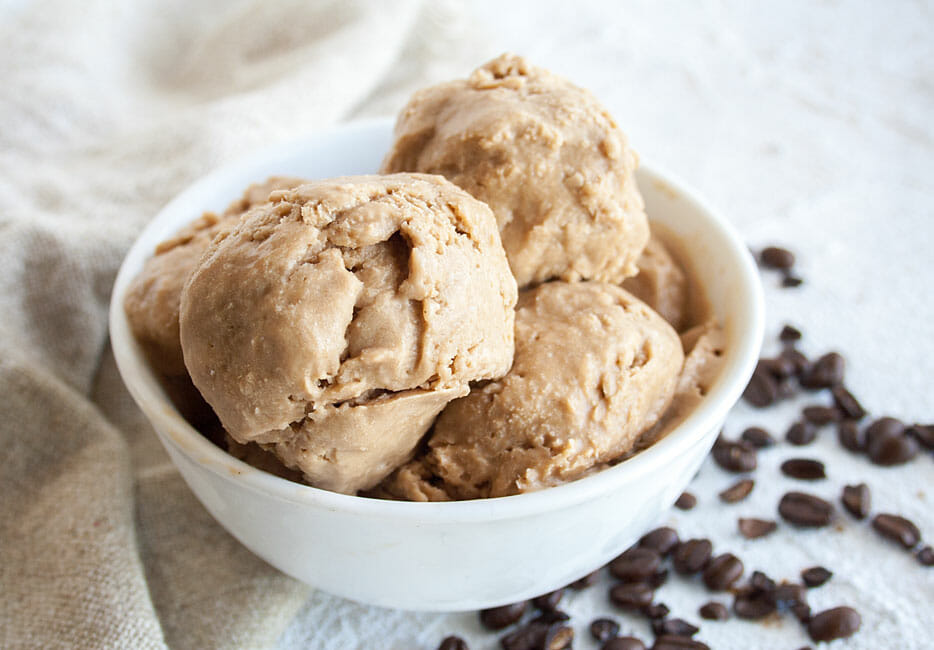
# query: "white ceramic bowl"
459 555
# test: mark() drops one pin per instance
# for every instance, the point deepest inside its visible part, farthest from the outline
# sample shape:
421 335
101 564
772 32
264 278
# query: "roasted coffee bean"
738 491
804 509
856 499
536 635
802 612
656 610
691 556
604 628
757 437
836 623
885 427
658 579
925 556
714 611
762 389
548 602
849 406
798 360
753 605
787 388
898 529
774 257
686 501
779 367
761 582
752 528
790 281
850 436
892 450
674 627
663 540
827 371
722 571
735 456
637 564
585 581
804 469
820 415
632 595
923 433
558 637
789 334
623 643
496 618
453 643
554 616
801 433
815 576
671 642
787 595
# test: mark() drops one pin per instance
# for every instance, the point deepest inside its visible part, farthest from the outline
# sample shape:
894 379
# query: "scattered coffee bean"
804 469
826 372
797 359
757 437
496 618
850 436
658 579
558 637
802 612
636 564
815 576
662 540
762 389
453 643
752 528
604 628
674 627
789 334
656 611
753 605
775 257
804 509
585 581
714 611
548 602
790 281
538 634
805 647
671 642
738 491
801 433
787 595
722 571
623 643
554 616
892 450
758 581
686 501
885 427
856 499
779 367
820 415
691 556
925 556
632 595
923 433
836 623
898 529
735 456
849 406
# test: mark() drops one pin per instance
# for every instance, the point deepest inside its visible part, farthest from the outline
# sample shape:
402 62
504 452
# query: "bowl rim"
739 362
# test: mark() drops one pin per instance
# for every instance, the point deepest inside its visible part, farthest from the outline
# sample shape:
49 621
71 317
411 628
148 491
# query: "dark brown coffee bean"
753 605
536 635
800 362
804 509
787 595
790 281
636 564
738 491
827 371
789 334
623 643
775 257
836 623
885 427
821 415
762 389
691 556
779 367
671 642
849 406
815 576
735 456
662 540
554 616
496 618
850 436
856 499
655 611
758 581
722 571
803 469
801 433
898 529
757 437
658 579
632 595
585 581
714 611
453 643
925 556
752 528
558 637
686 501
604 628
923 433
674 627
802 612
548 602
892 450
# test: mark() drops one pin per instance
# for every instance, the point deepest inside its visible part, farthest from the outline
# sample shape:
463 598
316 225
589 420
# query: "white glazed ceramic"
460 555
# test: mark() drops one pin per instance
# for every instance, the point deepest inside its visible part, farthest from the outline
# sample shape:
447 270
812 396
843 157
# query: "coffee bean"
548 602
670 642
804 509
805 647
753 605
735 456
885 427
453 643
836 623
849 406
691 556
802 612
658 579
856 499
797 359
496 618
686 501
714 611
758 581
757 437
923 433
558 637
538 634
656 611
804 469
752 528
674 627
722 571
585 581
554 616
925 556
762 389
774 257
827 371
789 334
738 491
850 436
604 628
898 529
820 415
636 564
623 643
815 576
801 433
892 450
662 540
787 595
631 595
791 281
779 367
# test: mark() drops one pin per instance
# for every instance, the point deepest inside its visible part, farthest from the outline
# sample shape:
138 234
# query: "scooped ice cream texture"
333 323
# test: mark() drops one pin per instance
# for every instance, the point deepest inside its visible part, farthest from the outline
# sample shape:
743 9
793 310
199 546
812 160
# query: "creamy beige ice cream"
661 283
547 158
594 368
333 324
